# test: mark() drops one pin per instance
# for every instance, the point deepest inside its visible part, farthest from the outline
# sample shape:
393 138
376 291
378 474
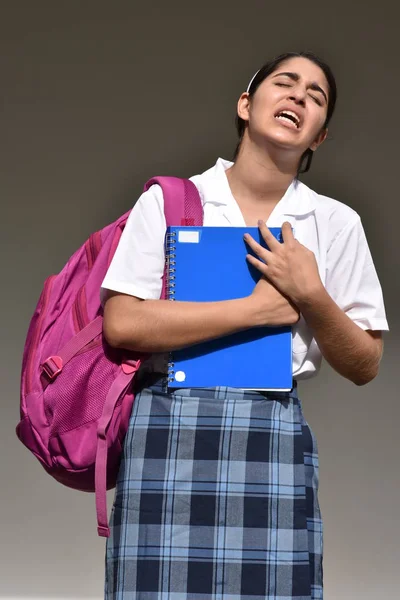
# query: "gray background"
96 98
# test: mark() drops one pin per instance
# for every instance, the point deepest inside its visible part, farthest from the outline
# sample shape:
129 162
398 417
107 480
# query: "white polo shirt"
332 230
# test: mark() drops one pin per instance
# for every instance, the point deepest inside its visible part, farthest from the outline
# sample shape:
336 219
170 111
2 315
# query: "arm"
353 352
135 318
162 325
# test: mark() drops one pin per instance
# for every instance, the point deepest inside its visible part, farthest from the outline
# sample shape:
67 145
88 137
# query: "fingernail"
260 222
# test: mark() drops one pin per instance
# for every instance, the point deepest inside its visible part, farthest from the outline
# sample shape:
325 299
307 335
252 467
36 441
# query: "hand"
273 307
290 267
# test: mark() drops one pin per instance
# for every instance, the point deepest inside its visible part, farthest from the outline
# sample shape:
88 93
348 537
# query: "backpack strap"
182 206
118 388
182 202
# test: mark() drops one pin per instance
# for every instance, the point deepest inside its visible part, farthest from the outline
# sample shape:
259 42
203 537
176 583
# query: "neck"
258 176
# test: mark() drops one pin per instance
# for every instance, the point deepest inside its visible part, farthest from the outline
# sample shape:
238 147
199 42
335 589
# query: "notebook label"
189 237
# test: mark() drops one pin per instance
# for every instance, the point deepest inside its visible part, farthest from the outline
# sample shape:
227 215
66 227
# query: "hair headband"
252 79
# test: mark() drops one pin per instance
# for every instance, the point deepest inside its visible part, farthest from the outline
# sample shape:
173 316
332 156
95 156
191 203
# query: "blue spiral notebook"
207 264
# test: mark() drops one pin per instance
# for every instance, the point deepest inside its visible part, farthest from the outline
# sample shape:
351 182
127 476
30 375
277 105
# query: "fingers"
258 264
264 255
287 233
259 250
269 239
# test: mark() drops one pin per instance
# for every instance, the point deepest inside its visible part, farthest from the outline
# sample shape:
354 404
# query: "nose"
298 95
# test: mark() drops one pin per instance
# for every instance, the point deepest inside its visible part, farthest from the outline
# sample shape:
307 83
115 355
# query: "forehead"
305 68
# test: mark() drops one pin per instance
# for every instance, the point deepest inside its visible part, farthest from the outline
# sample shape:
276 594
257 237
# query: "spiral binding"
170 246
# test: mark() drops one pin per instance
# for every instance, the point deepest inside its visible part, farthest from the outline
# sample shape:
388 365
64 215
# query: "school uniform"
217 494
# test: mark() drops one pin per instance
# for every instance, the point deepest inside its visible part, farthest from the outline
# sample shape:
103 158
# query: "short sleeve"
351 278
137 266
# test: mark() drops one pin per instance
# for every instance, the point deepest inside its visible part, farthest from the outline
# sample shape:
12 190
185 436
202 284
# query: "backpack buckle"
52 366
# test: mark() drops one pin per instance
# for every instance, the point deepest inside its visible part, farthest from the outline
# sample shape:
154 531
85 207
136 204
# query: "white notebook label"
188 237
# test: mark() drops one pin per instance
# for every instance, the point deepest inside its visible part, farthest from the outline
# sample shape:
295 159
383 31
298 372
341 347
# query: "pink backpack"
76 390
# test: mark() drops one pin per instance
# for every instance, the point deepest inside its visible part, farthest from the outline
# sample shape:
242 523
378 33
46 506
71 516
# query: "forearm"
162 325
351 351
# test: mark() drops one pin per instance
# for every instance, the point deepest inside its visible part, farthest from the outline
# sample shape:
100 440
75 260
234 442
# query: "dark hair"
272 66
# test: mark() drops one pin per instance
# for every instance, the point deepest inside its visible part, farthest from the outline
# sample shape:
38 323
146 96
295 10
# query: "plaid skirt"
216 499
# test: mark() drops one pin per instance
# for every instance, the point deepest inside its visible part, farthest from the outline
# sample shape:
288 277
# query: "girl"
217 496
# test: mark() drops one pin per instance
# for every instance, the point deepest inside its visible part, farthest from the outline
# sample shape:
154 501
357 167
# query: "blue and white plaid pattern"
216 499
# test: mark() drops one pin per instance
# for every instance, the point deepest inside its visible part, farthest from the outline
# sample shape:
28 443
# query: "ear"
243 106
321 137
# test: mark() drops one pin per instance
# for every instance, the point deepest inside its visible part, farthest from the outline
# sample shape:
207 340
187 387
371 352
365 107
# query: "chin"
284 143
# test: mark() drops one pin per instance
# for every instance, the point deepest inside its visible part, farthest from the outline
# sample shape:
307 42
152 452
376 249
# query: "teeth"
282 114
282 118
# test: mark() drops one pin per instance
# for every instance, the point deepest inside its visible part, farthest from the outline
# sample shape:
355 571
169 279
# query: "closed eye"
317 100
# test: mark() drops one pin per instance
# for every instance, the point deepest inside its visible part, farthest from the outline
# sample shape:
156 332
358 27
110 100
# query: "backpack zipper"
33 346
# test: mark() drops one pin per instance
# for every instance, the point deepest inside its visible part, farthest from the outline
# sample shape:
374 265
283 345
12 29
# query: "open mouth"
289 117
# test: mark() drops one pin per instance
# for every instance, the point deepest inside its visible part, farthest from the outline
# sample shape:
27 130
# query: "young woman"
217 496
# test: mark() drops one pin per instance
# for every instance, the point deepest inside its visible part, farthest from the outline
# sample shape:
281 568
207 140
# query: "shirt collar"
298 199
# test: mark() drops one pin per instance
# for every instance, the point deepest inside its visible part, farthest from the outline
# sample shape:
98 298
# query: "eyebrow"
313 86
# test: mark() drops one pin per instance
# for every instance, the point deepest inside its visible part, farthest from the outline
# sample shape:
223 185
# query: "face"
289 108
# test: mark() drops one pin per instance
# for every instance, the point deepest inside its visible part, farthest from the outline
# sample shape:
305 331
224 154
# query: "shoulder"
150 202
333 215
146 219
211 184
